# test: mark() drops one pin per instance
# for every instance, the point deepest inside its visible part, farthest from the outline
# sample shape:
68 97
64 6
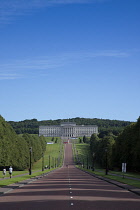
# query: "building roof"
68 124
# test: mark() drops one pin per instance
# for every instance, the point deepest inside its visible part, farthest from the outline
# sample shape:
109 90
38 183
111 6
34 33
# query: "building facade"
68 130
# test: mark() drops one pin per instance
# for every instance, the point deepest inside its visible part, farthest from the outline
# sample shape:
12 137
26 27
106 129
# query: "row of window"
74 130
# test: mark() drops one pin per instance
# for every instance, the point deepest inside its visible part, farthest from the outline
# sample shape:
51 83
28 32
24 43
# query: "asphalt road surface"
69 188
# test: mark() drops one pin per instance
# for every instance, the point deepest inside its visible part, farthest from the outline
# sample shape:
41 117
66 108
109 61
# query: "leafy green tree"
93 143
127 147
84 139
100 148
14 149
52 139
80 140
8 139
56 140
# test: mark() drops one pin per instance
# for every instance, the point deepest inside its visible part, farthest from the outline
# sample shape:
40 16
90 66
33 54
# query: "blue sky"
70 58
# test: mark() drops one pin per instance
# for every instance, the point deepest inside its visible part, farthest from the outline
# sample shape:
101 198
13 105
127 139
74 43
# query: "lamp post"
55 162
93 165
49 162
52 162
30 168
42 161
106 160
83 163
87 163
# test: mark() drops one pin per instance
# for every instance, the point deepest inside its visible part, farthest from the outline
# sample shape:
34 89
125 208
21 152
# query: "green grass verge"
129 174
135 183
13 180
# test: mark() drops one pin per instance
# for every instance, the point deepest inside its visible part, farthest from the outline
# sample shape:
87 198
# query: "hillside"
105 125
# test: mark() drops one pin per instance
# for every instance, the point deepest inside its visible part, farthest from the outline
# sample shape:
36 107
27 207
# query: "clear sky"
69 58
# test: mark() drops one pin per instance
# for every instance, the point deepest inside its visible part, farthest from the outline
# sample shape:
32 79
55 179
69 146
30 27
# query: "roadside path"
13 176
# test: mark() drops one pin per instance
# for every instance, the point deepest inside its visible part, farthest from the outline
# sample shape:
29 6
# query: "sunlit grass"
52 150
83 153
13 180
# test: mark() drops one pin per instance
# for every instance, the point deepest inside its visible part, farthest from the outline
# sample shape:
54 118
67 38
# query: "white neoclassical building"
68 130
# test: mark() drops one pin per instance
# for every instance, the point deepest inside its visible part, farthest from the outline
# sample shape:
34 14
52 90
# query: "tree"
80 140
14 149
127 147
84 139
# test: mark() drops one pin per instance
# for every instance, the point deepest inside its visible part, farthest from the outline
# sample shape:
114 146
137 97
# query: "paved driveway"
69 188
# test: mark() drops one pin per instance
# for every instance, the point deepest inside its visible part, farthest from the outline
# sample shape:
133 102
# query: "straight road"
69 188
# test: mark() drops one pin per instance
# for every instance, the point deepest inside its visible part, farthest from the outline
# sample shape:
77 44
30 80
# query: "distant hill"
105 125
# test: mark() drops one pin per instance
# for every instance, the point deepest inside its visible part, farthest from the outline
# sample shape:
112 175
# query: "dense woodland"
14 149
124 148
32 126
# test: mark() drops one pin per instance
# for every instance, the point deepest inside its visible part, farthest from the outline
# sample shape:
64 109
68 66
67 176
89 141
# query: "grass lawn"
83 151
52 150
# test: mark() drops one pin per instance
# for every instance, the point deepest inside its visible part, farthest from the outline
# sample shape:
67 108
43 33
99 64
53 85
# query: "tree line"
14 149
124 148
104 125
